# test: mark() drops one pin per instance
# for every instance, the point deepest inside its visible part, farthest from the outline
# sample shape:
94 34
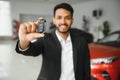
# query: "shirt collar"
61 39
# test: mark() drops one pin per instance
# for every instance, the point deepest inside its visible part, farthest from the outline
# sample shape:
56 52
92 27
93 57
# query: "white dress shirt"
67 69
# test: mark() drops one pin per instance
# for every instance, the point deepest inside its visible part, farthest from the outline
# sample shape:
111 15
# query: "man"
65 54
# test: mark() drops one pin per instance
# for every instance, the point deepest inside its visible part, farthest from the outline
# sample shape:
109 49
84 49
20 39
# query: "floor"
15 66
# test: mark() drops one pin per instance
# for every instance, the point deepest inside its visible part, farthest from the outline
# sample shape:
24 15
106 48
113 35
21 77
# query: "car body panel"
112 69
103 50
98 51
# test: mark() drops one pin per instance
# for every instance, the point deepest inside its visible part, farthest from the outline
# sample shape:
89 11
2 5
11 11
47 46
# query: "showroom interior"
89 16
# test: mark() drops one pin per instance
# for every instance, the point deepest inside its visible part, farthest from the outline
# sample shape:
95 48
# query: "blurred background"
96 17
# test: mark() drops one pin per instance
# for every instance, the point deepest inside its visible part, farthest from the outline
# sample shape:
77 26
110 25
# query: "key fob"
41 25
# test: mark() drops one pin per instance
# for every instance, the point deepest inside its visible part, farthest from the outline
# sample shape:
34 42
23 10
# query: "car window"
112 37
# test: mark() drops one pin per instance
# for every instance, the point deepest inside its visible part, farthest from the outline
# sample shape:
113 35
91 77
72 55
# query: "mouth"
64 26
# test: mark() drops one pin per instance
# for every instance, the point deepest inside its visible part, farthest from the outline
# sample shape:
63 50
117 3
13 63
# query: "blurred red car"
105 58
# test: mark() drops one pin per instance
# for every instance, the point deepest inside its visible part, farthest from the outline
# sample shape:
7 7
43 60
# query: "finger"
40 18
34 27
22 29
28 27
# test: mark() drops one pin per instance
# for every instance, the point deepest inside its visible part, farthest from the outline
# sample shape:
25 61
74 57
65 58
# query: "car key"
41 25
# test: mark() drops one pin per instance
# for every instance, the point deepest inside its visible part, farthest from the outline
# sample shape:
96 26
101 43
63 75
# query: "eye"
68 17
58 17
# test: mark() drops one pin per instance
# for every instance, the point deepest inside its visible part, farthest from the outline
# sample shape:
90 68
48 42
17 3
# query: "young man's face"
63 20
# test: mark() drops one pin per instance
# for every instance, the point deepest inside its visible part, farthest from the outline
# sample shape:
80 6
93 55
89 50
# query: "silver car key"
41 25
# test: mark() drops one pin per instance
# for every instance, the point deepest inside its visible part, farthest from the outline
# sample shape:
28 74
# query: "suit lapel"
58 45
74 44
56 40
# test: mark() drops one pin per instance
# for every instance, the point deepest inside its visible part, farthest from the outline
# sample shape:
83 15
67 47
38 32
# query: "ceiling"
52 1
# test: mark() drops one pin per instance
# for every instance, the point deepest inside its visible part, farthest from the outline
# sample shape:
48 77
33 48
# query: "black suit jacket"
50 48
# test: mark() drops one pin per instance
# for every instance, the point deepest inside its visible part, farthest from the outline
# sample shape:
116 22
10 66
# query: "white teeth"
63 26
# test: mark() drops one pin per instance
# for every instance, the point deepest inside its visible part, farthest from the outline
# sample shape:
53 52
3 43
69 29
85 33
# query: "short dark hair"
64 6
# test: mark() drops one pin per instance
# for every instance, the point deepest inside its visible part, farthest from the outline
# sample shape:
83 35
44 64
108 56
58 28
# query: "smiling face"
63 20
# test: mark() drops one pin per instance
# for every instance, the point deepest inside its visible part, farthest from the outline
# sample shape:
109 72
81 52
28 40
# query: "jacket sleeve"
35 48
87 64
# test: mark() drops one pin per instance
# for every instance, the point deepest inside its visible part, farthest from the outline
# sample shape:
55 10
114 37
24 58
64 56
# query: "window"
5 19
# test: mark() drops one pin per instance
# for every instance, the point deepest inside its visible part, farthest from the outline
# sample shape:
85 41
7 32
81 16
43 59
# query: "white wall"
111 12
5 19
30 8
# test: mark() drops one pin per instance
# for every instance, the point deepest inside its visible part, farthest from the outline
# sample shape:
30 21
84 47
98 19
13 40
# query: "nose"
63 21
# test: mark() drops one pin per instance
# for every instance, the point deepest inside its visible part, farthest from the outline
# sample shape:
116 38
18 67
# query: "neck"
63 35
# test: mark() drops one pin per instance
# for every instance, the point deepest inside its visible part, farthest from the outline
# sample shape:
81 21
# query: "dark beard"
64 31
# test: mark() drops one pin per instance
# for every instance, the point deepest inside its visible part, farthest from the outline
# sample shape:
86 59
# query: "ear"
72 20
53 20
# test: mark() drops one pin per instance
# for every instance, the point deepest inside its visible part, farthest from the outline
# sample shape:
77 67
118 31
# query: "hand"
27 33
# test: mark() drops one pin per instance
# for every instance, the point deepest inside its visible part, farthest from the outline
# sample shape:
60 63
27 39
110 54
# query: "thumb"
33 36
38 35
